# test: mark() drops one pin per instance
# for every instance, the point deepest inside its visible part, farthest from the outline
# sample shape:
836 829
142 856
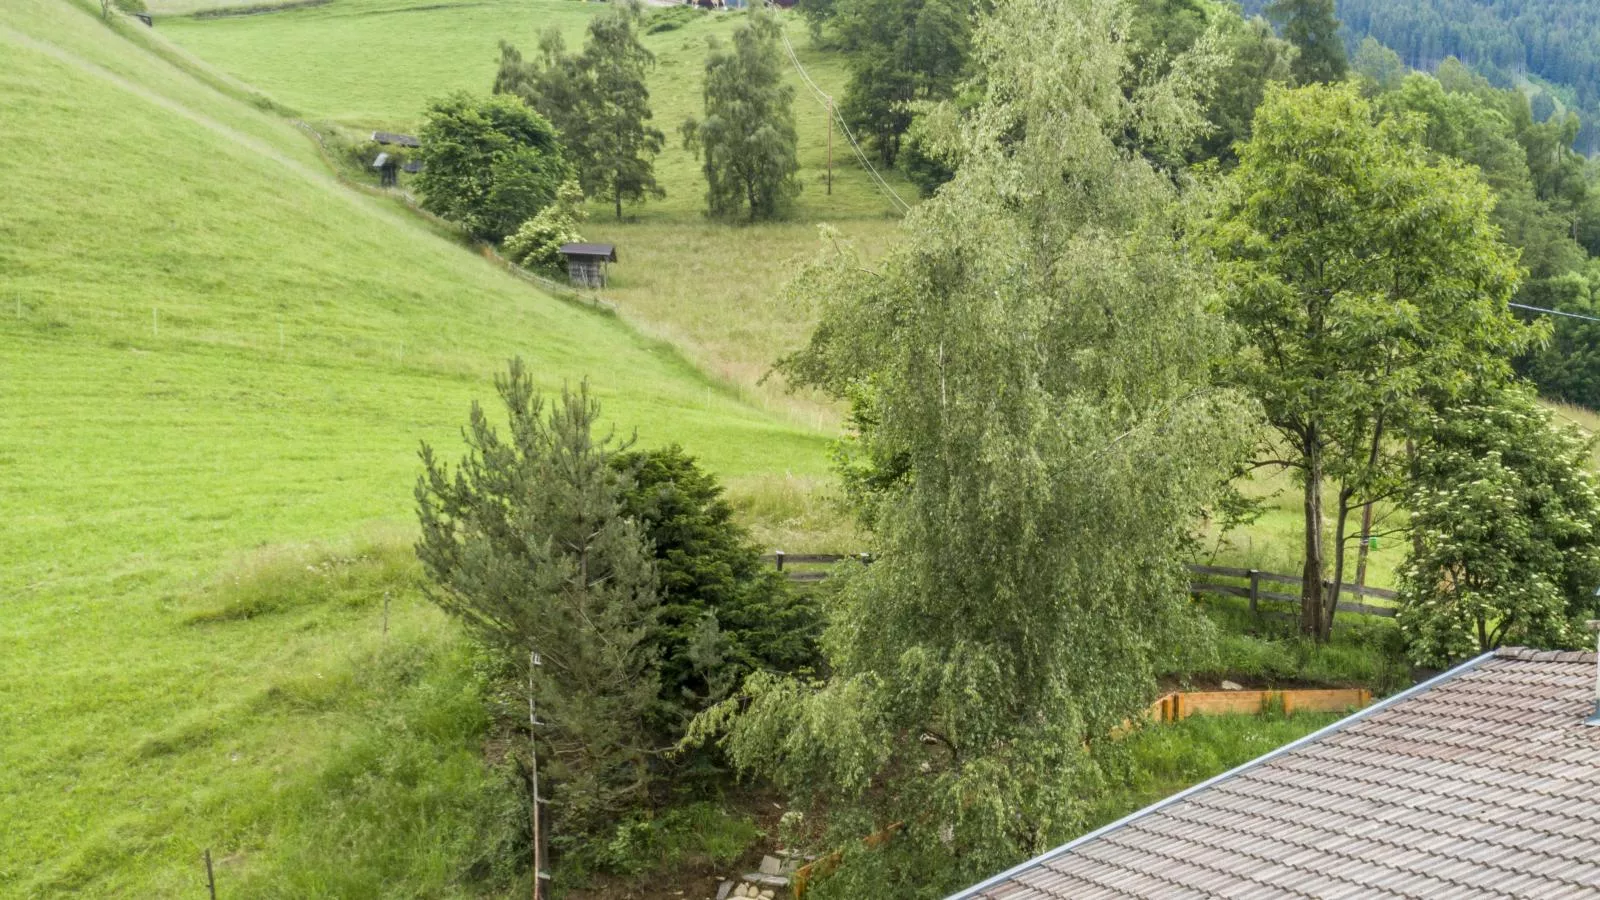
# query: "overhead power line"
1554 312
827 104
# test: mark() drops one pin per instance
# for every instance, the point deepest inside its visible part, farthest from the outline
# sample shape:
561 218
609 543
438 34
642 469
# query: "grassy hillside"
710 288
377 63
210 355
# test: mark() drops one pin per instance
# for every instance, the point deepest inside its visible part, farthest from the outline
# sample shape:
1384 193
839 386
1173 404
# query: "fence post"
778 555
1255 591
211 881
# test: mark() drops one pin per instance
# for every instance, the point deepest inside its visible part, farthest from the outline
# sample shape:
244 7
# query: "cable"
827 103
1554 312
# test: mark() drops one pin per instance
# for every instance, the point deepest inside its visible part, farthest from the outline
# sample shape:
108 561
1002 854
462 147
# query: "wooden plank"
1227 590
1225 703
1363 609
805 576
790 558
1220 571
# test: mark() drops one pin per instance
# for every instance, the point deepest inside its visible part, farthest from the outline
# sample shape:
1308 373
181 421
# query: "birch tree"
1029 371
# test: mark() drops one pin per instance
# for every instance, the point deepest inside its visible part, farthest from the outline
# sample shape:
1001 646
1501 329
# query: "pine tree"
526 543
747 139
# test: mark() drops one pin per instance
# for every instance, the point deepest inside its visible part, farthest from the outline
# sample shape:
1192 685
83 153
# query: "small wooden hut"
586 263
399 140
387 167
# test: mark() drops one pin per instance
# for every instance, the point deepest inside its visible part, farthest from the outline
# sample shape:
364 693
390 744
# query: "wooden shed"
399 140
386 167
586 263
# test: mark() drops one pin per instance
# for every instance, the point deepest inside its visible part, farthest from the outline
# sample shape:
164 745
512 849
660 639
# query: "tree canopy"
1029 371
489 163
1369 287
1507 523
747 139
1311 26
598 101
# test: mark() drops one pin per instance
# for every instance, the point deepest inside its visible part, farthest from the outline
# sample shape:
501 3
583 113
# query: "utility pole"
829 146
533 753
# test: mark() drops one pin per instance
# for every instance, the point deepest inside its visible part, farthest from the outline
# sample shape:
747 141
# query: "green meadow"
711 288
216 365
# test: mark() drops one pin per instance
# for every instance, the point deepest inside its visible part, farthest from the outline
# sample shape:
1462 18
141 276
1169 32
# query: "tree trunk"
1366 542
1311 575
1330 603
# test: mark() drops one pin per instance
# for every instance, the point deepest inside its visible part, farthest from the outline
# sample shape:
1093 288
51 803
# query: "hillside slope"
376 63
208 348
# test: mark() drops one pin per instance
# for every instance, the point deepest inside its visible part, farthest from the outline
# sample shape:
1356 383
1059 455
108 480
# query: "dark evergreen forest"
1557 41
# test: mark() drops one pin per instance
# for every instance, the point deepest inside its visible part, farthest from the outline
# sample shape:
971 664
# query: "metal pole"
211 881
533 753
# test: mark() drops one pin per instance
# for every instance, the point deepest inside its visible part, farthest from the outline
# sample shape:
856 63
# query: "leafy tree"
747 139
1567 367
617 160
1471 125
1367 283
527 543
537 244
900 53
1311 26
1028 367
489 163
1257 59
724 613
1507 519
1379 67
597 100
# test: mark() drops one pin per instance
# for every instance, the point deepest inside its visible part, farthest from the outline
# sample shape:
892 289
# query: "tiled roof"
1484 782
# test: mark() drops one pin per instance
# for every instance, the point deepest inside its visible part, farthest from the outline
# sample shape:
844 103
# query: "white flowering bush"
537 244
1505 522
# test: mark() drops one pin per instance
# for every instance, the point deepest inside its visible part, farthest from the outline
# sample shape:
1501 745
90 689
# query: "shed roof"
1484 782
380 161
389 137
607 252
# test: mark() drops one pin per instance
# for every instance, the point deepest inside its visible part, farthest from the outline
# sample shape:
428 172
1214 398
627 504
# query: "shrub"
537 244
724 613
489 163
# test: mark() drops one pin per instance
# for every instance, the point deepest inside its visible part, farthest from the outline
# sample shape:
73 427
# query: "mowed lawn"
212 354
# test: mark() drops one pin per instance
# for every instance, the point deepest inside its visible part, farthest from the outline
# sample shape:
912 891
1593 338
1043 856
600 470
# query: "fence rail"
1204 582
1253 591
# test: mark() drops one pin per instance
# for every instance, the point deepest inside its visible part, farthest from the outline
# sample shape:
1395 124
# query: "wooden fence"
1213 580
1257 586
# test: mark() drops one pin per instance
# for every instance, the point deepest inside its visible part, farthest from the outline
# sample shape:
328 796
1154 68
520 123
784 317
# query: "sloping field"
710 288
376 63
210 350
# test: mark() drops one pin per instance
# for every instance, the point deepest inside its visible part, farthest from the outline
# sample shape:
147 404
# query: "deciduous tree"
1029 368
598 101
489 163
747 138
1369 287
1507 522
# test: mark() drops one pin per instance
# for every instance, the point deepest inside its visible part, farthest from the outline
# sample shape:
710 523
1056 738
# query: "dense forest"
1505 40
